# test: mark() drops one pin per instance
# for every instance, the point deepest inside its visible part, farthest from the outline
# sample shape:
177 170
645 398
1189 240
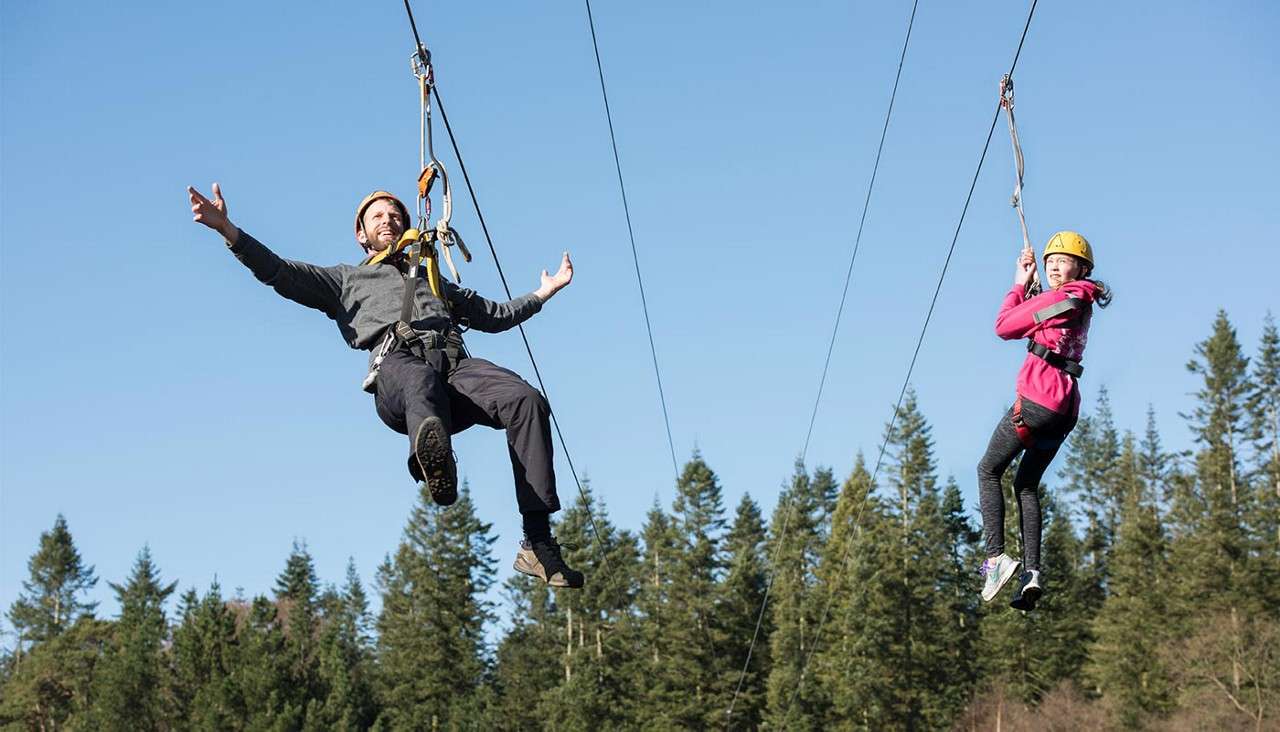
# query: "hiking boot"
542 559
1029 592
433 457
997 571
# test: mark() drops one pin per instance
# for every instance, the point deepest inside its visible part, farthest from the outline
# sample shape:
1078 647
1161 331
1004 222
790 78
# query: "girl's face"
1062 268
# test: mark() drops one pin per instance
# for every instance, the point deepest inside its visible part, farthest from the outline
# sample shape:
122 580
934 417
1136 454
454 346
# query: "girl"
1056 324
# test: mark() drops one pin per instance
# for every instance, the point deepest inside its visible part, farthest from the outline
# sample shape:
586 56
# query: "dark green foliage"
1130 627
741 598
924 545
653 622
297 597
594 636
795 546
52 597
343 697
127 684
1162 583
696 632
1211 542
960 646
860 620
1263 406
51 688
431 646
203 661
1089 473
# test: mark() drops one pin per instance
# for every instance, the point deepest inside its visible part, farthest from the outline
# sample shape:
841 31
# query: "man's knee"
531 402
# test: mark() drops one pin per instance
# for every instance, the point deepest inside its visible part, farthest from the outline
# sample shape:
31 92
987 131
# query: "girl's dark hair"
1103 297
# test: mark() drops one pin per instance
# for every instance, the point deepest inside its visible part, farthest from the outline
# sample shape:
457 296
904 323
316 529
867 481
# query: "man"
426 386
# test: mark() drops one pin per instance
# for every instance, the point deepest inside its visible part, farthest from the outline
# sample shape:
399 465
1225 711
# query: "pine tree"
431 629
695 674
594 642
795 545
1089 472
261 668
920 560
203 657
1130 627
52 599
127 686
344 693
655 695
740 598
1263 407
1211 542
956 588
297 596
52 688
854 661
527 658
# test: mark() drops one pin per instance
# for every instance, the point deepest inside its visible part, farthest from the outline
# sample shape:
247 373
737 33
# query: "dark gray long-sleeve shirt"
364 301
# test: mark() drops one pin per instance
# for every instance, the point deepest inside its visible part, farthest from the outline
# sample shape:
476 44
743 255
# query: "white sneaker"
1029 592
997 571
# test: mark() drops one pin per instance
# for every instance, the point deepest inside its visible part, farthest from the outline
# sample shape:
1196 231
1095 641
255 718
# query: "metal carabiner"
1006 92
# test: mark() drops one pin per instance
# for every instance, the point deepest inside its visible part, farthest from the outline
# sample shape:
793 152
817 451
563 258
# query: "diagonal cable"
635 258
910 368
523 336
475 202
835 328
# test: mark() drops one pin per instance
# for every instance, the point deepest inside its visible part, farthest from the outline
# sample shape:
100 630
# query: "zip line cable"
635 258
866 204
848 278
475 202
910 368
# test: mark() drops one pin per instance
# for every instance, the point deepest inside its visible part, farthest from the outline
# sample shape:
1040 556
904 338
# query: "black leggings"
1049 429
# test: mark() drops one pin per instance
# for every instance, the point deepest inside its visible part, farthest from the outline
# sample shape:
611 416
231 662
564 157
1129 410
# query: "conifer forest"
1161 611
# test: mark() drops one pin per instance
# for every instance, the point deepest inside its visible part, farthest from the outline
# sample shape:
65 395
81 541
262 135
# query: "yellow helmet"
377 196
1069 242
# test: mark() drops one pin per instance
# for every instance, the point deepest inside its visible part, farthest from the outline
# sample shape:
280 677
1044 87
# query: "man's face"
381 225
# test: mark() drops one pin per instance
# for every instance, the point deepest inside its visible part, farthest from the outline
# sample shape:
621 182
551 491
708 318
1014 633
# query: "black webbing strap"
1056 360
404 332
1058 308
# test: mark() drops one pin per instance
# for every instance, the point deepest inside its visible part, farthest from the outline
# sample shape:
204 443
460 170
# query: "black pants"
1049 429
473 392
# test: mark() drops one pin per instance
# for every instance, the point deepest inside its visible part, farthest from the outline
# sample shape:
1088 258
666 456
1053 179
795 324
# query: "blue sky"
154 393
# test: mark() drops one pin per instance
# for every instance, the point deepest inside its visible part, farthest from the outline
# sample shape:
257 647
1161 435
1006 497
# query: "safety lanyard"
1006 103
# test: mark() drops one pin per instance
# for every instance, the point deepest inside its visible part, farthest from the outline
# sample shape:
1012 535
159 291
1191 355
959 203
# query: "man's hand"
1026 268
213 214
551 284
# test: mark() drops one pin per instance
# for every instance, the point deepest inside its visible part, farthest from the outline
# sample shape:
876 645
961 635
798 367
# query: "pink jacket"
1065 334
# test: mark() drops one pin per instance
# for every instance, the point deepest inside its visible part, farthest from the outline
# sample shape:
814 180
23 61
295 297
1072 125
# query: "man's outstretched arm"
492 317
305 284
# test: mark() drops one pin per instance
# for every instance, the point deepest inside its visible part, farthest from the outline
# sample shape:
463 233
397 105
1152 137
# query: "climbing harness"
1053 358
1056 360
418 245
1006 103
1027 439
1058 308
